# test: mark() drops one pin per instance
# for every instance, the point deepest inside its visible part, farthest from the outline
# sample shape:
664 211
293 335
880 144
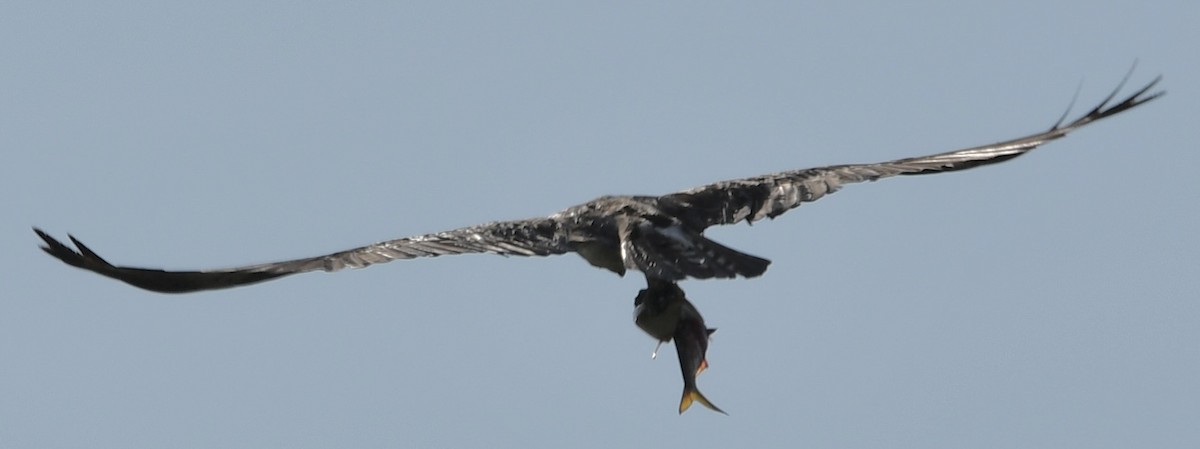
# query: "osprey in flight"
660 236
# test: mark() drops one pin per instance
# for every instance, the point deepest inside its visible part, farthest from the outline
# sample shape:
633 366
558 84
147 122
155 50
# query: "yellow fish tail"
693 395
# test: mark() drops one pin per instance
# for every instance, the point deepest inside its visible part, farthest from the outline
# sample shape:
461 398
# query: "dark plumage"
662 236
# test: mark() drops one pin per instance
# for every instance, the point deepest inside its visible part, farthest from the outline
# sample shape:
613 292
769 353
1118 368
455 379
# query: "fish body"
658 309
691 344
663 311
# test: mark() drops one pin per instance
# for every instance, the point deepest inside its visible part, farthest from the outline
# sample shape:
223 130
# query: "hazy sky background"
1053 301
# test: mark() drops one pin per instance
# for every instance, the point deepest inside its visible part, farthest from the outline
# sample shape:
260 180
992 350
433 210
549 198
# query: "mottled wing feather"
768 196
535 237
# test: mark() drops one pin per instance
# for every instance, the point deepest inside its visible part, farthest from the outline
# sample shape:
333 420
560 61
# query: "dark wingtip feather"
87 252
1121 85
1070 106
45 238
1105 109
58 250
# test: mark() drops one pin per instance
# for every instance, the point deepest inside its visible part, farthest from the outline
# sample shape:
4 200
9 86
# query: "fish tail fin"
694 395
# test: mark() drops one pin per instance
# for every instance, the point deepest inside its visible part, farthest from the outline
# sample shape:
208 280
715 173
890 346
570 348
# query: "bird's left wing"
534 237
767 196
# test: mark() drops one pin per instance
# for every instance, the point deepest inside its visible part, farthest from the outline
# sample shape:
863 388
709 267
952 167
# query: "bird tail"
694 395
671 256
729 261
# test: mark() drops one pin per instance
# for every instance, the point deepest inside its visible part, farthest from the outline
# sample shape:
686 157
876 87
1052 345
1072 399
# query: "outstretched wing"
534 237
768 196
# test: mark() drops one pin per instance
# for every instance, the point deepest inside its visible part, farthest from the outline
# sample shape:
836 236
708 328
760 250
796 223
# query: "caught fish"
663 311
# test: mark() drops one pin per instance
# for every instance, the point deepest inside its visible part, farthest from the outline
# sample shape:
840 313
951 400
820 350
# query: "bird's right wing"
767 196
534 237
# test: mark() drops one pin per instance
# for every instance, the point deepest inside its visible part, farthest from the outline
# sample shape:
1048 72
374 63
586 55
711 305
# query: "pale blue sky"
1047 302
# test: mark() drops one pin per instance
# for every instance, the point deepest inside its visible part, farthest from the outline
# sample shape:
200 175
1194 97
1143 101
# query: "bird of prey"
660 236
